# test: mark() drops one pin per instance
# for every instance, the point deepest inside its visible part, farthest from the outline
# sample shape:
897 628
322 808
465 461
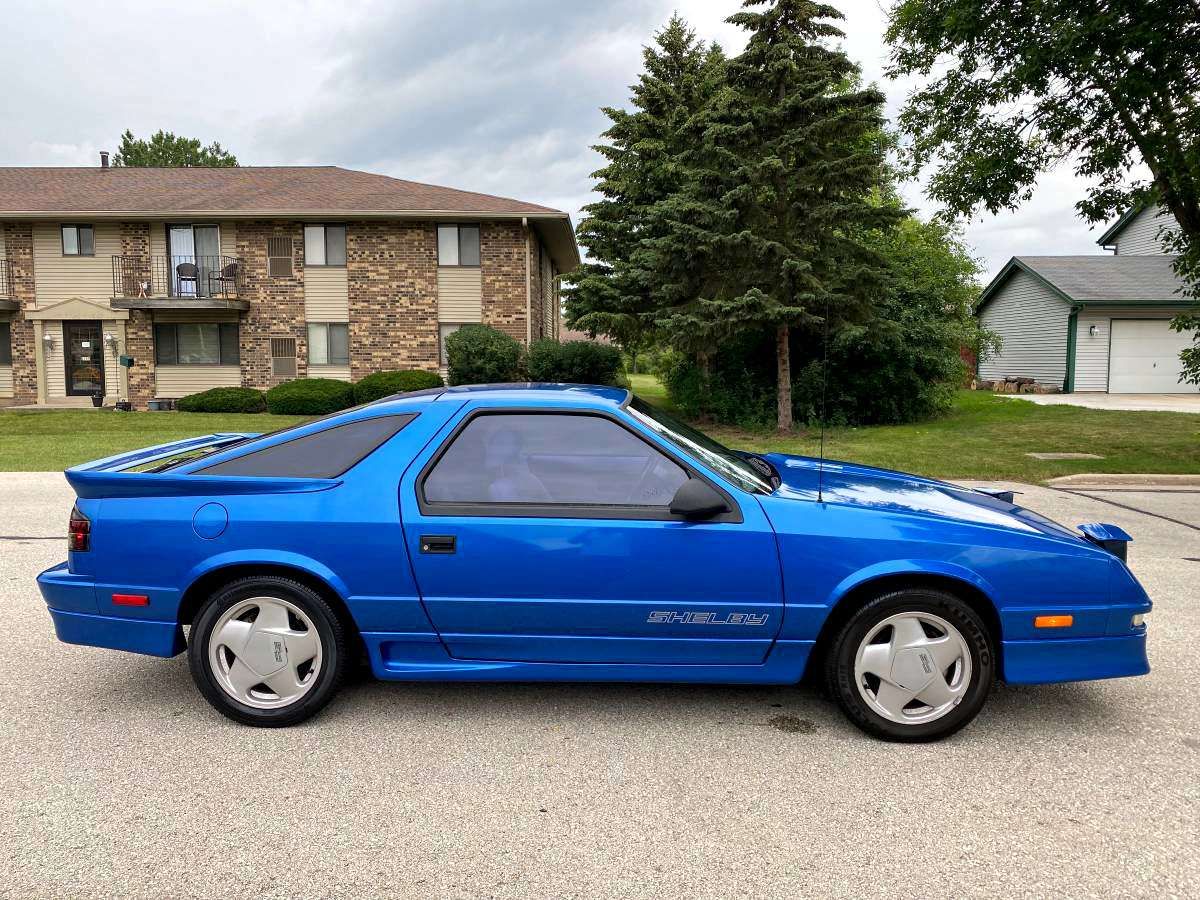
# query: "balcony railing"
6 279
183 277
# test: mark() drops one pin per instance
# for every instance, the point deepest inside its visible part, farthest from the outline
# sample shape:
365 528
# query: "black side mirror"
697 499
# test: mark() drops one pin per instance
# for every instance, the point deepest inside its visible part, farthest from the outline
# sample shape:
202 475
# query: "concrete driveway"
117 779
1153 402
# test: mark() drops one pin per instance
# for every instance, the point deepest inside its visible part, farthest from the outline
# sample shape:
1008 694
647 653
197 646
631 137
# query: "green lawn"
48 440
987 437
984 437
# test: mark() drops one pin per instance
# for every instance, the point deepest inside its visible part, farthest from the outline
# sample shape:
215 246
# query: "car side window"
322 454
549 459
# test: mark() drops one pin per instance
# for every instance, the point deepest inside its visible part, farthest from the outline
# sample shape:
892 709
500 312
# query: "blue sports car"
570 533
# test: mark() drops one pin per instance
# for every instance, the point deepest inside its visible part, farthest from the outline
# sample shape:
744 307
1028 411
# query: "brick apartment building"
251 276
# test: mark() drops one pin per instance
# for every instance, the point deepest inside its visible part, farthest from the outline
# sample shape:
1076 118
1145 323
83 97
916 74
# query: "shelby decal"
706 618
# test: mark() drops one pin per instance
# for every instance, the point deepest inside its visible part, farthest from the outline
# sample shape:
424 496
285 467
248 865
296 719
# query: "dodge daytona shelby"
573 533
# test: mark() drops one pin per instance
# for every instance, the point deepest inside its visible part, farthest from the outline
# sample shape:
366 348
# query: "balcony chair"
225 280
187 272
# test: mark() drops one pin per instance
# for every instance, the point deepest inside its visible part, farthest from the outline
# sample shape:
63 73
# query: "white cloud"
500 97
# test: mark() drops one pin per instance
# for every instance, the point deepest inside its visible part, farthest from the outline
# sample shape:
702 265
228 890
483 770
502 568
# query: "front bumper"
72 603
1074 659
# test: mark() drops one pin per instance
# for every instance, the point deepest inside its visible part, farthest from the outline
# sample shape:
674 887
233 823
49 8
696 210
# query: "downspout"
528 296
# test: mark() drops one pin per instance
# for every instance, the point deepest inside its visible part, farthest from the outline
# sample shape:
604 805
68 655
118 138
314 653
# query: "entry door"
1143 358
83 351
542 537
198 246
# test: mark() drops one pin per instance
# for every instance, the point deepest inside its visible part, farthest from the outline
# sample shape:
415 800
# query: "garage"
1143 357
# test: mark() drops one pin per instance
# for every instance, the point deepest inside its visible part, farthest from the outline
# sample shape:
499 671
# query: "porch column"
39 357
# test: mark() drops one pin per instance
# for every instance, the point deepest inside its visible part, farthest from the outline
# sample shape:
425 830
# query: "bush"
310 397
384 384
575 362
224 400
481 355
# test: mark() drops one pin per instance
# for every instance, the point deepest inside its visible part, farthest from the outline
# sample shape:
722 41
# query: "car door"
544 535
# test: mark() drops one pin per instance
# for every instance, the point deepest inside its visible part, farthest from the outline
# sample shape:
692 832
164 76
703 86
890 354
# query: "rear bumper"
115 633
1074 659
72 603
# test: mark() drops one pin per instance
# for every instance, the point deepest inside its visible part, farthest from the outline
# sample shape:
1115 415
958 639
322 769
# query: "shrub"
224 400
575 362
310 397
481 355
384 384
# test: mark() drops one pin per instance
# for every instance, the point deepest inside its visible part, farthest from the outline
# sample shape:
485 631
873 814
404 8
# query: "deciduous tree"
165 149
1012 89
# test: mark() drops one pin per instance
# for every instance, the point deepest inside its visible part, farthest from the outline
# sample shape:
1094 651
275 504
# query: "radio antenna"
824 383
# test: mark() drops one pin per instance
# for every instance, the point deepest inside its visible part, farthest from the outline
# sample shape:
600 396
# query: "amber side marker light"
1053 621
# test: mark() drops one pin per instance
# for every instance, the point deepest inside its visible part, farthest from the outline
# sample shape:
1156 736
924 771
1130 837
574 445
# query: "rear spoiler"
107 477
1111 537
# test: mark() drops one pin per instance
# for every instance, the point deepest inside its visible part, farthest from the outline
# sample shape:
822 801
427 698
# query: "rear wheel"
912 665
267 651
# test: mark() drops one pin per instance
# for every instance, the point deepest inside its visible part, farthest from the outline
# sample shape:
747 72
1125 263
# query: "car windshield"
728 463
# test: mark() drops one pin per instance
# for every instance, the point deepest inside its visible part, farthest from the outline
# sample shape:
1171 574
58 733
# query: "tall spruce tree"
620 288
783 168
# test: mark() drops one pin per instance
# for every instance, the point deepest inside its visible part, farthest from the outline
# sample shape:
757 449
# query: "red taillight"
79 531
130 600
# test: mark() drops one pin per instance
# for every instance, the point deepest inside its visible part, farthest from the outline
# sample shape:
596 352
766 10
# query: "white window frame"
322 328
445 256
313 245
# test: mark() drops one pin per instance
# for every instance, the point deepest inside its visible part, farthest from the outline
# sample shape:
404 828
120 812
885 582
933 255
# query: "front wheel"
267 651
912 665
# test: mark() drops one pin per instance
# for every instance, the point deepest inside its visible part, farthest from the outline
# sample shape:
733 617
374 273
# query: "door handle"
438 543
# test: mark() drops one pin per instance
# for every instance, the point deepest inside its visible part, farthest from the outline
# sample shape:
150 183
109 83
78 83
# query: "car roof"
568 394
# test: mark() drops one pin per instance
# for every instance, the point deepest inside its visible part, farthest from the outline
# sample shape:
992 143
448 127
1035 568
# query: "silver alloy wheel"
260 658
906 675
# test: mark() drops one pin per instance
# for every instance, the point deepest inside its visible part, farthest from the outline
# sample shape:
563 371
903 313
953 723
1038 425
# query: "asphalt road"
116 778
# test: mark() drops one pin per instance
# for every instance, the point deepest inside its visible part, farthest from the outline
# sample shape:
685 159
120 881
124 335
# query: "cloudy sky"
499 96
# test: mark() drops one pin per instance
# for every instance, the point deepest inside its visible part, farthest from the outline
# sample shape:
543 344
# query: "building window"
328 344
196 344
444 331
5 344
325 245
458 245
78 240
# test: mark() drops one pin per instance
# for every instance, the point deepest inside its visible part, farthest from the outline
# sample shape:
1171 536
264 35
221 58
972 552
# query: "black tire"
840 664
334 655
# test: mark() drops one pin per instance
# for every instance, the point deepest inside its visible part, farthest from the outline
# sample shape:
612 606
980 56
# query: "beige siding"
326 296
2 230
228 238
460 295
6 382
341 373
59 277
179 381
1140 236
1091 353
549 299
1032 323
56 381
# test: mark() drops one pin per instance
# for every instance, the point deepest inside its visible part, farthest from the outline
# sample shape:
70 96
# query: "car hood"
863 486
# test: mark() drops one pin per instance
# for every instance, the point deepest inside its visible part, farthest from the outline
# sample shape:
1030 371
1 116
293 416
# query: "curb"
1105 482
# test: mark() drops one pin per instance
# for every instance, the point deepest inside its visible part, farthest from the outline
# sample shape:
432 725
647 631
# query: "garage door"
1143 358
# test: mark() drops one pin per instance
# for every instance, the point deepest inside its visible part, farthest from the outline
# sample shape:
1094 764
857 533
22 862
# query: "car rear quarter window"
323 454
555 459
